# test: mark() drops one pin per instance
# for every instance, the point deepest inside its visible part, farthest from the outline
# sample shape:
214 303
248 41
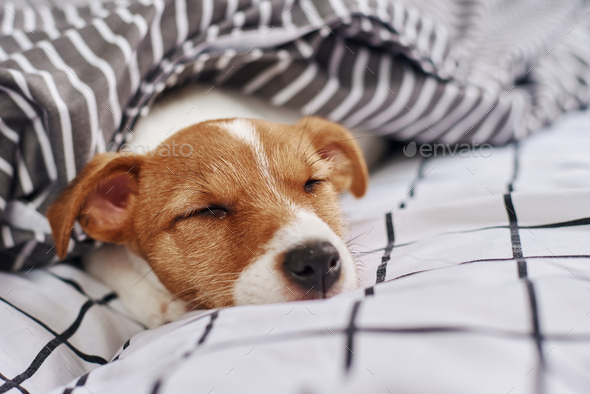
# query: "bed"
474 264
475 276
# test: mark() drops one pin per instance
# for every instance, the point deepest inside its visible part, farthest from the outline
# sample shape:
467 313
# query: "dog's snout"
313 265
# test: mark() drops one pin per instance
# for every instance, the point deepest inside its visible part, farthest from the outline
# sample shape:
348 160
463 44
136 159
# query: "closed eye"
211 211
311 185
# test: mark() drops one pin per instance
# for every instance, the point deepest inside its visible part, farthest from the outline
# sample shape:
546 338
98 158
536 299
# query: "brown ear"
99 197
336 144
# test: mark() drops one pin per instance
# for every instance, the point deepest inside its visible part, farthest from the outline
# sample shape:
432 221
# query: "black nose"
314 265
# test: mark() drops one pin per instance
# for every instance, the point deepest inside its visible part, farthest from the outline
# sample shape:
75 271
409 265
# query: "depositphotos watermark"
443 150
162 150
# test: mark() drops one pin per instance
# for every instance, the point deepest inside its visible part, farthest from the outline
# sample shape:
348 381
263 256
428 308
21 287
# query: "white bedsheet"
485 289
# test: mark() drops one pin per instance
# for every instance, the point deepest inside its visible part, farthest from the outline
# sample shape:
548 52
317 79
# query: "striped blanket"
74 77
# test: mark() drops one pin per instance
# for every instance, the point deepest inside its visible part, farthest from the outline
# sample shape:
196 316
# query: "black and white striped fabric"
475 279
74 78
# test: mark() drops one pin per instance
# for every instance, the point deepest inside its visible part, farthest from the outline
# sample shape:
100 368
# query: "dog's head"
227 212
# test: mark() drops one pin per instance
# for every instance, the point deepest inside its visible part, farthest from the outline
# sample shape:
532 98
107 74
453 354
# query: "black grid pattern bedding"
73 79
485 268
55 324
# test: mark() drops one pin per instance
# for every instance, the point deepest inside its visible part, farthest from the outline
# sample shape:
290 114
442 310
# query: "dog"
225 212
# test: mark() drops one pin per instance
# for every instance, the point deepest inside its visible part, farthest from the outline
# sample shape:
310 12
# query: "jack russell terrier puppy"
249 216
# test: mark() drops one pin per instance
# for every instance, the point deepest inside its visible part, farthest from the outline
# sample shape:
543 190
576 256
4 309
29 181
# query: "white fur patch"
244 130
138 288
262 282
